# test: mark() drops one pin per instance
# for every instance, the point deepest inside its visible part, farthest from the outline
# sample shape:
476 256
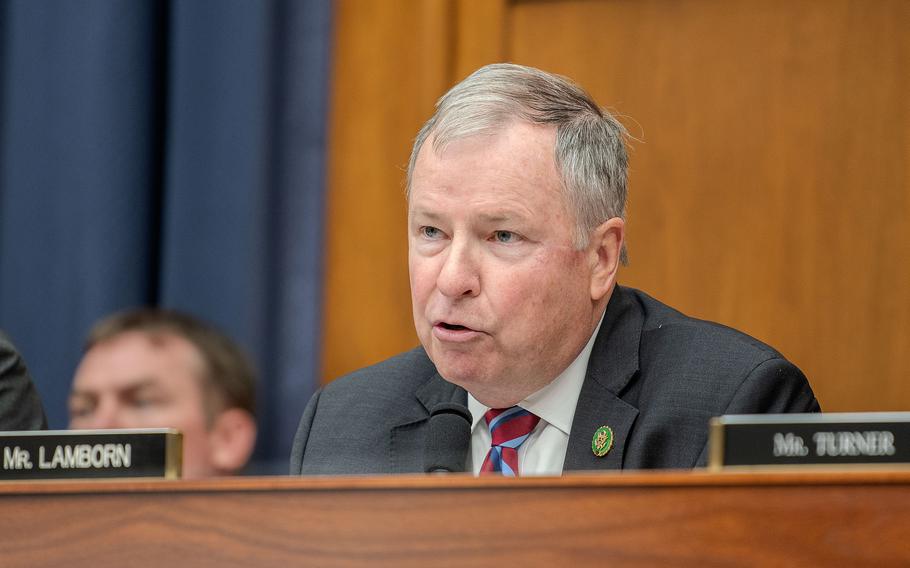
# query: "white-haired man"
516 204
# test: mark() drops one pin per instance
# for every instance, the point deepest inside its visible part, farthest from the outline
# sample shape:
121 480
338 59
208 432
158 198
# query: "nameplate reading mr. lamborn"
62 454
834 439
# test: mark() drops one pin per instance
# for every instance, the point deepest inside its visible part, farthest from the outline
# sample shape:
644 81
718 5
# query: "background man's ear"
232 439
603 256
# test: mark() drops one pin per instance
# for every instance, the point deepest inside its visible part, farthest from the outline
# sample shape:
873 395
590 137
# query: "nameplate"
811 440
71 454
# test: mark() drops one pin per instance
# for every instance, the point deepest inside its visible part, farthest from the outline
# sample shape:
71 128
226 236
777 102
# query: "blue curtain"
172 154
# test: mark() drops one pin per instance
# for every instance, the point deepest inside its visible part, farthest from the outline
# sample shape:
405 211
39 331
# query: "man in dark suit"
20 406
516 204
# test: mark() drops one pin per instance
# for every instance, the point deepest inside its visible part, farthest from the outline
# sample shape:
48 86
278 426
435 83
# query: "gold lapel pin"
602 441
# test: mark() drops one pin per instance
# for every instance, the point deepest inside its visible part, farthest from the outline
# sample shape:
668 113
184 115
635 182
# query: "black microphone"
448 439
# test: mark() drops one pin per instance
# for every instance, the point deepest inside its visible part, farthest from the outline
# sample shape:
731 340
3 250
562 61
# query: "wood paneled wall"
770 183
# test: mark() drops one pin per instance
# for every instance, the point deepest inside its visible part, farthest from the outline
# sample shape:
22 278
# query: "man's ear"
603 256
232 437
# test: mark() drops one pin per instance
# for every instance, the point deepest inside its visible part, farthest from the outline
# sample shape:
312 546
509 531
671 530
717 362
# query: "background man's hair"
230 380
590 143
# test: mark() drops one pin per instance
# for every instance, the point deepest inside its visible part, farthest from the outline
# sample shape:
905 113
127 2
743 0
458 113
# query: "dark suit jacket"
655 377
20 407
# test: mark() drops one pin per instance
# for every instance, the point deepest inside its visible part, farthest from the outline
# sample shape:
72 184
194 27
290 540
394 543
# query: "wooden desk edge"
602 480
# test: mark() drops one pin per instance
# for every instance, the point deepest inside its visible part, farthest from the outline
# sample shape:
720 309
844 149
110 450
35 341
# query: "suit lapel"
407 439
598 407
613 363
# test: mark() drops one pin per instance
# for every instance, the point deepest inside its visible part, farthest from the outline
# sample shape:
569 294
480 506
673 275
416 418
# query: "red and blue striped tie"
509 428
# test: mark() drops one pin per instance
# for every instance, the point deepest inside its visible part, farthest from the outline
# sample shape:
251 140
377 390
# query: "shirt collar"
555 403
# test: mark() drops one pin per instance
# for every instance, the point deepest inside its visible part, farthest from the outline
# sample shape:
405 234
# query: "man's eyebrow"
500 216
143 382
76 393
425 214
494 217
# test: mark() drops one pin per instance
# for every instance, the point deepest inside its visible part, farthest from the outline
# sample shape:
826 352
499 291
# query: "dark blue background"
173 154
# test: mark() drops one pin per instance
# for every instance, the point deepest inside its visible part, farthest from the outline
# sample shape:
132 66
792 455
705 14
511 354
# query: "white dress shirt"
544 452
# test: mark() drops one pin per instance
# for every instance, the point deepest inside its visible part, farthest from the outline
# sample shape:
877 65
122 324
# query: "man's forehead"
137 359
85 386
537 140
147 345
454 131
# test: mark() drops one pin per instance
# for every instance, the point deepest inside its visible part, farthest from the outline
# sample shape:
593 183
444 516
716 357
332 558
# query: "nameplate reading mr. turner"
62 454
834 439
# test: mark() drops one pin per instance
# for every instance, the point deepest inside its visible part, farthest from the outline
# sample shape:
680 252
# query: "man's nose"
459 275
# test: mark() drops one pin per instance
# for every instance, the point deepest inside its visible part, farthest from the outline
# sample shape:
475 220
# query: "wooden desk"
617 519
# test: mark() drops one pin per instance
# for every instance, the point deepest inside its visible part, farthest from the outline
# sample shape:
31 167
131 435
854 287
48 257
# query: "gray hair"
590 143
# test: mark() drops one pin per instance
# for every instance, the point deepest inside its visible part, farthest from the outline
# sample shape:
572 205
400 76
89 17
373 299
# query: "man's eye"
505 237
80 407
80 410
146 402
430 232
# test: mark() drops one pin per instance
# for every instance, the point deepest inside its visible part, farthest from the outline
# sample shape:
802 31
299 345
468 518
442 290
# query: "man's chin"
466 374
461 377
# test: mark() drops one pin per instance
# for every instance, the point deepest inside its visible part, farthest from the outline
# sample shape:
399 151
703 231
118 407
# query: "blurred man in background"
150 368
20 407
